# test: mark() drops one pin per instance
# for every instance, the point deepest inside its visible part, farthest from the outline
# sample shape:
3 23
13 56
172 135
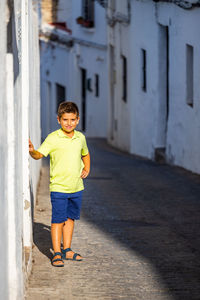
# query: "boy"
69 164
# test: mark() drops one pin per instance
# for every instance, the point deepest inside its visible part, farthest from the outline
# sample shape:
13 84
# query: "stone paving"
139 234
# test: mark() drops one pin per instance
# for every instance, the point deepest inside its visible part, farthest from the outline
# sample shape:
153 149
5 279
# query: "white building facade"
20 117
132 68
154 91
74 65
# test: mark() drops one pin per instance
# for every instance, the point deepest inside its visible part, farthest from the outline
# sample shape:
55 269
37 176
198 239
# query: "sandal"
64 251
57 259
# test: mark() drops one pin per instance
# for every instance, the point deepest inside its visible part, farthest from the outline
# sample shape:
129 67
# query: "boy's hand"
31 147
86 169
34 153
84 173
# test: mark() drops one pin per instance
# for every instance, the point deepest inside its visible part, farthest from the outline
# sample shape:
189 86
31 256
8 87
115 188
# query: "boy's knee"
69 220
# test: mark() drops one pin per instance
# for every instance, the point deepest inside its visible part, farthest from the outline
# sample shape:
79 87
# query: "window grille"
88 10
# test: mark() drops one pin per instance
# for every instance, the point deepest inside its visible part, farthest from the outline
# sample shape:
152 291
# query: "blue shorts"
65 205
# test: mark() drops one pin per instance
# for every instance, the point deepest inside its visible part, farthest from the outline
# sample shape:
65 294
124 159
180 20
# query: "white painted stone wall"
19 82
34 95
183 134
98 34
54 69
140 126
65 12
94 60
119 110
157 119
144 104
3 158
89 53
62 64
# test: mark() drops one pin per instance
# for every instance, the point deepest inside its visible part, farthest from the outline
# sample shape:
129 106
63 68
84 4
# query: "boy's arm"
34 153
86 169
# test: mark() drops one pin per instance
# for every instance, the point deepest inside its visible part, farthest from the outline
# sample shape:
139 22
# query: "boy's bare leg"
56 235
68 229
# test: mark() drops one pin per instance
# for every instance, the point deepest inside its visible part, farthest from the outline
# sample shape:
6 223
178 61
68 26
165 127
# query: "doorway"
163 92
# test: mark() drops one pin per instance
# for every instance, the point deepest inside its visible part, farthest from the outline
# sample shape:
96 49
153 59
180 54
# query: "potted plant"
80 20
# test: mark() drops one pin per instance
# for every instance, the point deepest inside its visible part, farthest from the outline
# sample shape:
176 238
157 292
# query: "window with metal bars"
88 13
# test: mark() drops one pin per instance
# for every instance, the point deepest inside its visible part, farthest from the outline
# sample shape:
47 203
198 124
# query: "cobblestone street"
139 233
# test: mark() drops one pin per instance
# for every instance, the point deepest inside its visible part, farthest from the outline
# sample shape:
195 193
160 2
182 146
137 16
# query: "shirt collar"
63 135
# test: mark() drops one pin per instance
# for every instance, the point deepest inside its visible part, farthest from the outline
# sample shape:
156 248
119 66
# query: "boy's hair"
67 107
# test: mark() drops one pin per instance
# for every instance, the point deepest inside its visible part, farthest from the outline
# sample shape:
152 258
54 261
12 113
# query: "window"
144 70
89 84
124 78
189 75
96 85
88 13
60 95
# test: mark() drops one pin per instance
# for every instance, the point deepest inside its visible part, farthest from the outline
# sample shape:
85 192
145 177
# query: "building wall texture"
20 117
64 57
146 56
158 118
3 151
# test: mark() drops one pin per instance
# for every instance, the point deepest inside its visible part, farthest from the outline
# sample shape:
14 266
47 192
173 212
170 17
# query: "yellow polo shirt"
65 160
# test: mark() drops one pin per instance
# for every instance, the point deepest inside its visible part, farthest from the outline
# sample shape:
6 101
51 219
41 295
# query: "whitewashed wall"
54 69
3 158
65 12
19 79
141 126
151 122
150 130
134 122
62 64
144 104
34 95
89 53
98 34
94 61
183 134
119 110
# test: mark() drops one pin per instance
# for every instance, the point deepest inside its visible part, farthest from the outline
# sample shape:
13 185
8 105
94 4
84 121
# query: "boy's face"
68 122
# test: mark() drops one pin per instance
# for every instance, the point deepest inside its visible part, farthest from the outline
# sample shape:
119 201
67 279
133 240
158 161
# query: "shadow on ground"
42 233
153 209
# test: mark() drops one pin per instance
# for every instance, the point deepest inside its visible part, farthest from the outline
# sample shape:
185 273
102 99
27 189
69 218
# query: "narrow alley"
138 233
